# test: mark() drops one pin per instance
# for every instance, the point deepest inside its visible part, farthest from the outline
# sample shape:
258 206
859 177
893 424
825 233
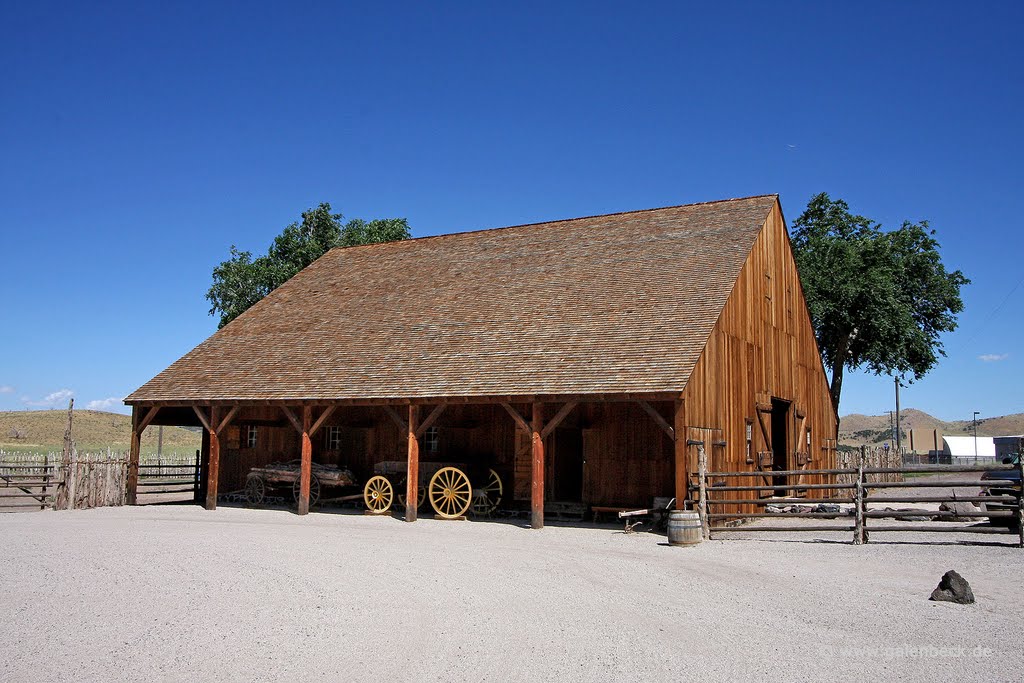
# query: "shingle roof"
621 303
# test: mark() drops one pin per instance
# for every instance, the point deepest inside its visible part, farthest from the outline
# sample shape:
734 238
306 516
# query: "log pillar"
537 468
213 469
133 459
307 460
681 459
412 480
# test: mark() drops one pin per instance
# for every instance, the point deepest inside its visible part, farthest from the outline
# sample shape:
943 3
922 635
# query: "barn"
580 362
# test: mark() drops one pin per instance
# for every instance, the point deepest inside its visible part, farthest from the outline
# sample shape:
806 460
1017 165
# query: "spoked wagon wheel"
450 492
421 496
488 497
255 489
378 494
314 489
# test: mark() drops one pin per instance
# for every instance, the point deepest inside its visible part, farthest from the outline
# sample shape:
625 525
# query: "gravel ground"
169 593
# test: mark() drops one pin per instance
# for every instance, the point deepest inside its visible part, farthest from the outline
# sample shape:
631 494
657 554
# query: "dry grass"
93 429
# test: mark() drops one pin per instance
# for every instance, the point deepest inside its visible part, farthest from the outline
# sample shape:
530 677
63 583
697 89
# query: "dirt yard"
173 593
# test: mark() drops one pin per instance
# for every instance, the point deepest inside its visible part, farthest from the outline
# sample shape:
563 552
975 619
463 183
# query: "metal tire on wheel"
255 489
421 496
450 492
488 497
314 489
378 494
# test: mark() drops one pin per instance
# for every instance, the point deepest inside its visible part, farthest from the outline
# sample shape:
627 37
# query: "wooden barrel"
684 527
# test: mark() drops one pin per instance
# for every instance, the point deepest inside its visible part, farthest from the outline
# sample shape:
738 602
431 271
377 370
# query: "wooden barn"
578 361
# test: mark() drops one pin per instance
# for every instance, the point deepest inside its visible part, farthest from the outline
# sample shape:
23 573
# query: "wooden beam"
393 414
292 418
213 469
557 419
656 416
431 419
132 492
320 421
520 421
144 422
681 459
306 464
228 418
202 418
537 469
412 478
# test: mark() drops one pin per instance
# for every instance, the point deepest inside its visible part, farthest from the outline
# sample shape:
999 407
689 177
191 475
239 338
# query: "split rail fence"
859 487
34 481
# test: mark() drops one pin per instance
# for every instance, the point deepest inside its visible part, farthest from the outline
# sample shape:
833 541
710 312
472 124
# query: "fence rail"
86 480
862 484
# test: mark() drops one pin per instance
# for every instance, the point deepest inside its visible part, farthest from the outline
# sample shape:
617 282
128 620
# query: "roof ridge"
560 220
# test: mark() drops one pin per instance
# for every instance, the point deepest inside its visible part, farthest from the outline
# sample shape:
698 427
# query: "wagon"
287 474
452 488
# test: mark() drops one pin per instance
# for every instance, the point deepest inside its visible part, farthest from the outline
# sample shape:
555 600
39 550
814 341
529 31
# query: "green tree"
242 280
878 299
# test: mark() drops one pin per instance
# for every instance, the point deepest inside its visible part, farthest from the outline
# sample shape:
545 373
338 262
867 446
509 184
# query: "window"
431 440
249 436
333 439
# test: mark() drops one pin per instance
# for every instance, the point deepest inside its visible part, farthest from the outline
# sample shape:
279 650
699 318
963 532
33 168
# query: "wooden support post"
858 501
682 476
135 445
702 480
537 469
213 469
306 466
412 478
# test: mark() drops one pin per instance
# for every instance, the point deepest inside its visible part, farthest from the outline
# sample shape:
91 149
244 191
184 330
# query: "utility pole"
975 420
897 414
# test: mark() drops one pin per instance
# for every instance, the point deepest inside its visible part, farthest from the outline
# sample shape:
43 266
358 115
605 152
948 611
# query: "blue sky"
139 141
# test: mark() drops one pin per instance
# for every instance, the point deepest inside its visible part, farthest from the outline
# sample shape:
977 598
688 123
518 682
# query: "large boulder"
958 510
953 588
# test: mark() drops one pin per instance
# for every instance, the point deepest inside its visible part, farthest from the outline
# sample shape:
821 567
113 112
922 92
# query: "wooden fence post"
72 480
702 480
46 480
859 536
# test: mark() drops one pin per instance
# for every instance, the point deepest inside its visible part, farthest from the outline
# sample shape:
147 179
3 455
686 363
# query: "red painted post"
307 461
412 482
537 469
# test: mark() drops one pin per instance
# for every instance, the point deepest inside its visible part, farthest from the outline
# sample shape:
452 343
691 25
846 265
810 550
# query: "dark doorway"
780 440
568 484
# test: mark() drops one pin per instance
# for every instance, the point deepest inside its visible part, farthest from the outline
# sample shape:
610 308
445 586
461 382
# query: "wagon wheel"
378 494
314 489
421 496
450 492
488 497
255 489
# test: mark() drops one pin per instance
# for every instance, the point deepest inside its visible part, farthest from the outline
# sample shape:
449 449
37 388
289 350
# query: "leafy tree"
242 280
877 299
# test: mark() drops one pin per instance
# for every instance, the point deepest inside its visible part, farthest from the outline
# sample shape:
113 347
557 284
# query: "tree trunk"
838 366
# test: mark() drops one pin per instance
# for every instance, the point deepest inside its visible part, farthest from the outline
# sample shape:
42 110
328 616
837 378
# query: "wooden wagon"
452 488
287 474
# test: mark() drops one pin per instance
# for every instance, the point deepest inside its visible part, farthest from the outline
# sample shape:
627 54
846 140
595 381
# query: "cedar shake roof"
621 303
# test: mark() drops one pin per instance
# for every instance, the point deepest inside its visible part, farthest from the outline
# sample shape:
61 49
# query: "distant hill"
871 430
91 430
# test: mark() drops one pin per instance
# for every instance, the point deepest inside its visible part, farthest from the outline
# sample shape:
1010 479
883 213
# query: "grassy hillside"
867 430
91 430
